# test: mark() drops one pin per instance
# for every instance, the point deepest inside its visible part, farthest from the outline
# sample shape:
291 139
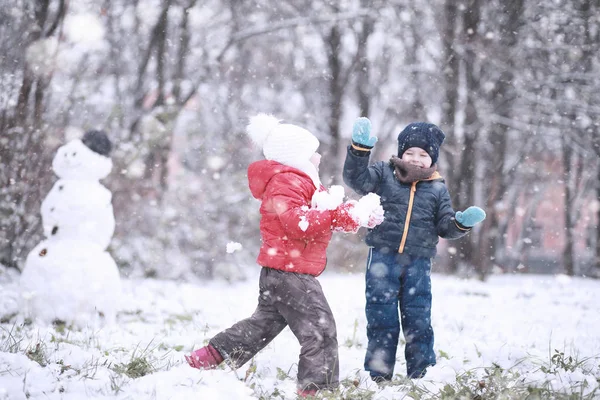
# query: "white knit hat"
285 143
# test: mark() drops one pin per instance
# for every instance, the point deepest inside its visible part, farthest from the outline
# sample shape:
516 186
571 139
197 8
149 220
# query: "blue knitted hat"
423 135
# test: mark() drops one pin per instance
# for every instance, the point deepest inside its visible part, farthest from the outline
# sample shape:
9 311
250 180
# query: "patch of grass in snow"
131 316
353 341
136 367
251 371
37 353
62 327
475 293
349 389
174 319
443 354
205 329
166 347
143 362
560 376
497 383
8 341
477 351
63 334
5 319
494 383
64 367
139 364
559 361
90 368
491 383
282 375
130 312
57 339
117 381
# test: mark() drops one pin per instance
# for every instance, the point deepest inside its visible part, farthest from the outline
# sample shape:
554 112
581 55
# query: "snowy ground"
515 322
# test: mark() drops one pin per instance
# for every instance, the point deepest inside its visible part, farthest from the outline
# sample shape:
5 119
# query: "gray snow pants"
296 300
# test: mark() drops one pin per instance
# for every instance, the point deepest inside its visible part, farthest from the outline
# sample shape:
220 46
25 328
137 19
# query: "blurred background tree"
514 84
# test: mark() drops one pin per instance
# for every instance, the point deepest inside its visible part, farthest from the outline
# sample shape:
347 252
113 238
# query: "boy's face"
417 156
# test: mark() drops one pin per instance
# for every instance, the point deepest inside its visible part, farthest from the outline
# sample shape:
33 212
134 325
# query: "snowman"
69 277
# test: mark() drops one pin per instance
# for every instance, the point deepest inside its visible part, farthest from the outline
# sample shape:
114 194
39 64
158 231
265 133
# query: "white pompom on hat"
287 144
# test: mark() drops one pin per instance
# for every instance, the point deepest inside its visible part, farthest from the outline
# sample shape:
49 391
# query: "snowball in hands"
328 199
368 211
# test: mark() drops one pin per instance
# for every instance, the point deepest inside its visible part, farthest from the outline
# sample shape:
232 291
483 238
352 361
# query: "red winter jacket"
294 237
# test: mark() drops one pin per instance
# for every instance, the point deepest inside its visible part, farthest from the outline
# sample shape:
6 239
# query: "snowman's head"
75 160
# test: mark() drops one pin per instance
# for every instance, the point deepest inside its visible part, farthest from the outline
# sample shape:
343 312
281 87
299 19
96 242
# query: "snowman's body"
72 281
70 277
79 209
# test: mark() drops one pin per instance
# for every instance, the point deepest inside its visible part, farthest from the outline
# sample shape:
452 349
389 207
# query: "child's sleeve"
446 224
359 176
288 197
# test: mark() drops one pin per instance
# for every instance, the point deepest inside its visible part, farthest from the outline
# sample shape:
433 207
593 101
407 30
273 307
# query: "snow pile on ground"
516 323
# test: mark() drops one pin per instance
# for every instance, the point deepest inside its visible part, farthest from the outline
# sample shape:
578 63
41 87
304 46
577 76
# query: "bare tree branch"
288 24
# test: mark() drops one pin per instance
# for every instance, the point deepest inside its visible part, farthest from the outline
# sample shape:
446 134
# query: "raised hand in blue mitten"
361 133
470 217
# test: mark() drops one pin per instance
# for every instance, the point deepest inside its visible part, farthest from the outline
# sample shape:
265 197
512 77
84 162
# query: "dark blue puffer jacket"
415 214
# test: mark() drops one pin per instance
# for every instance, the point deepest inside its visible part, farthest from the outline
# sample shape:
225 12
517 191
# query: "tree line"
514 84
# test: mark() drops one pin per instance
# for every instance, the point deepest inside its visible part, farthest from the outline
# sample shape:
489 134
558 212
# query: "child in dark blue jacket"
417 210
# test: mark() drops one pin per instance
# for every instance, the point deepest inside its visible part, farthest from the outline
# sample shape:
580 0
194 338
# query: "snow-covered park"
71 327
524 330
117 257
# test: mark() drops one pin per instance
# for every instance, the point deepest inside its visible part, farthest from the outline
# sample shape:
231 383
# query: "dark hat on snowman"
98 142
423 135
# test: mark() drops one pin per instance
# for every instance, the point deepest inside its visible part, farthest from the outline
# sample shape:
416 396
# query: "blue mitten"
470 217
361 133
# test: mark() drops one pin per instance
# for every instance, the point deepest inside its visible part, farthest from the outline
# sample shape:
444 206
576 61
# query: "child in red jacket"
296 227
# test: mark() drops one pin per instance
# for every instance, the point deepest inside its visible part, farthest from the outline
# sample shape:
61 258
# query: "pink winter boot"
306 392
205 358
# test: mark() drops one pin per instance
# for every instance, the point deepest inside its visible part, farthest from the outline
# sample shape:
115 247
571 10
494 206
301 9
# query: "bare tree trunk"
451 74
336 91
465 181
597 250
572 179
159 146
23 153
567 153
502 100
362 70
589 10
417 109
451 71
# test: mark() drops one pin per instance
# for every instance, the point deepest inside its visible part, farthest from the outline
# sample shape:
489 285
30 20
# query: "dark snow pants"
394 279
296 300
